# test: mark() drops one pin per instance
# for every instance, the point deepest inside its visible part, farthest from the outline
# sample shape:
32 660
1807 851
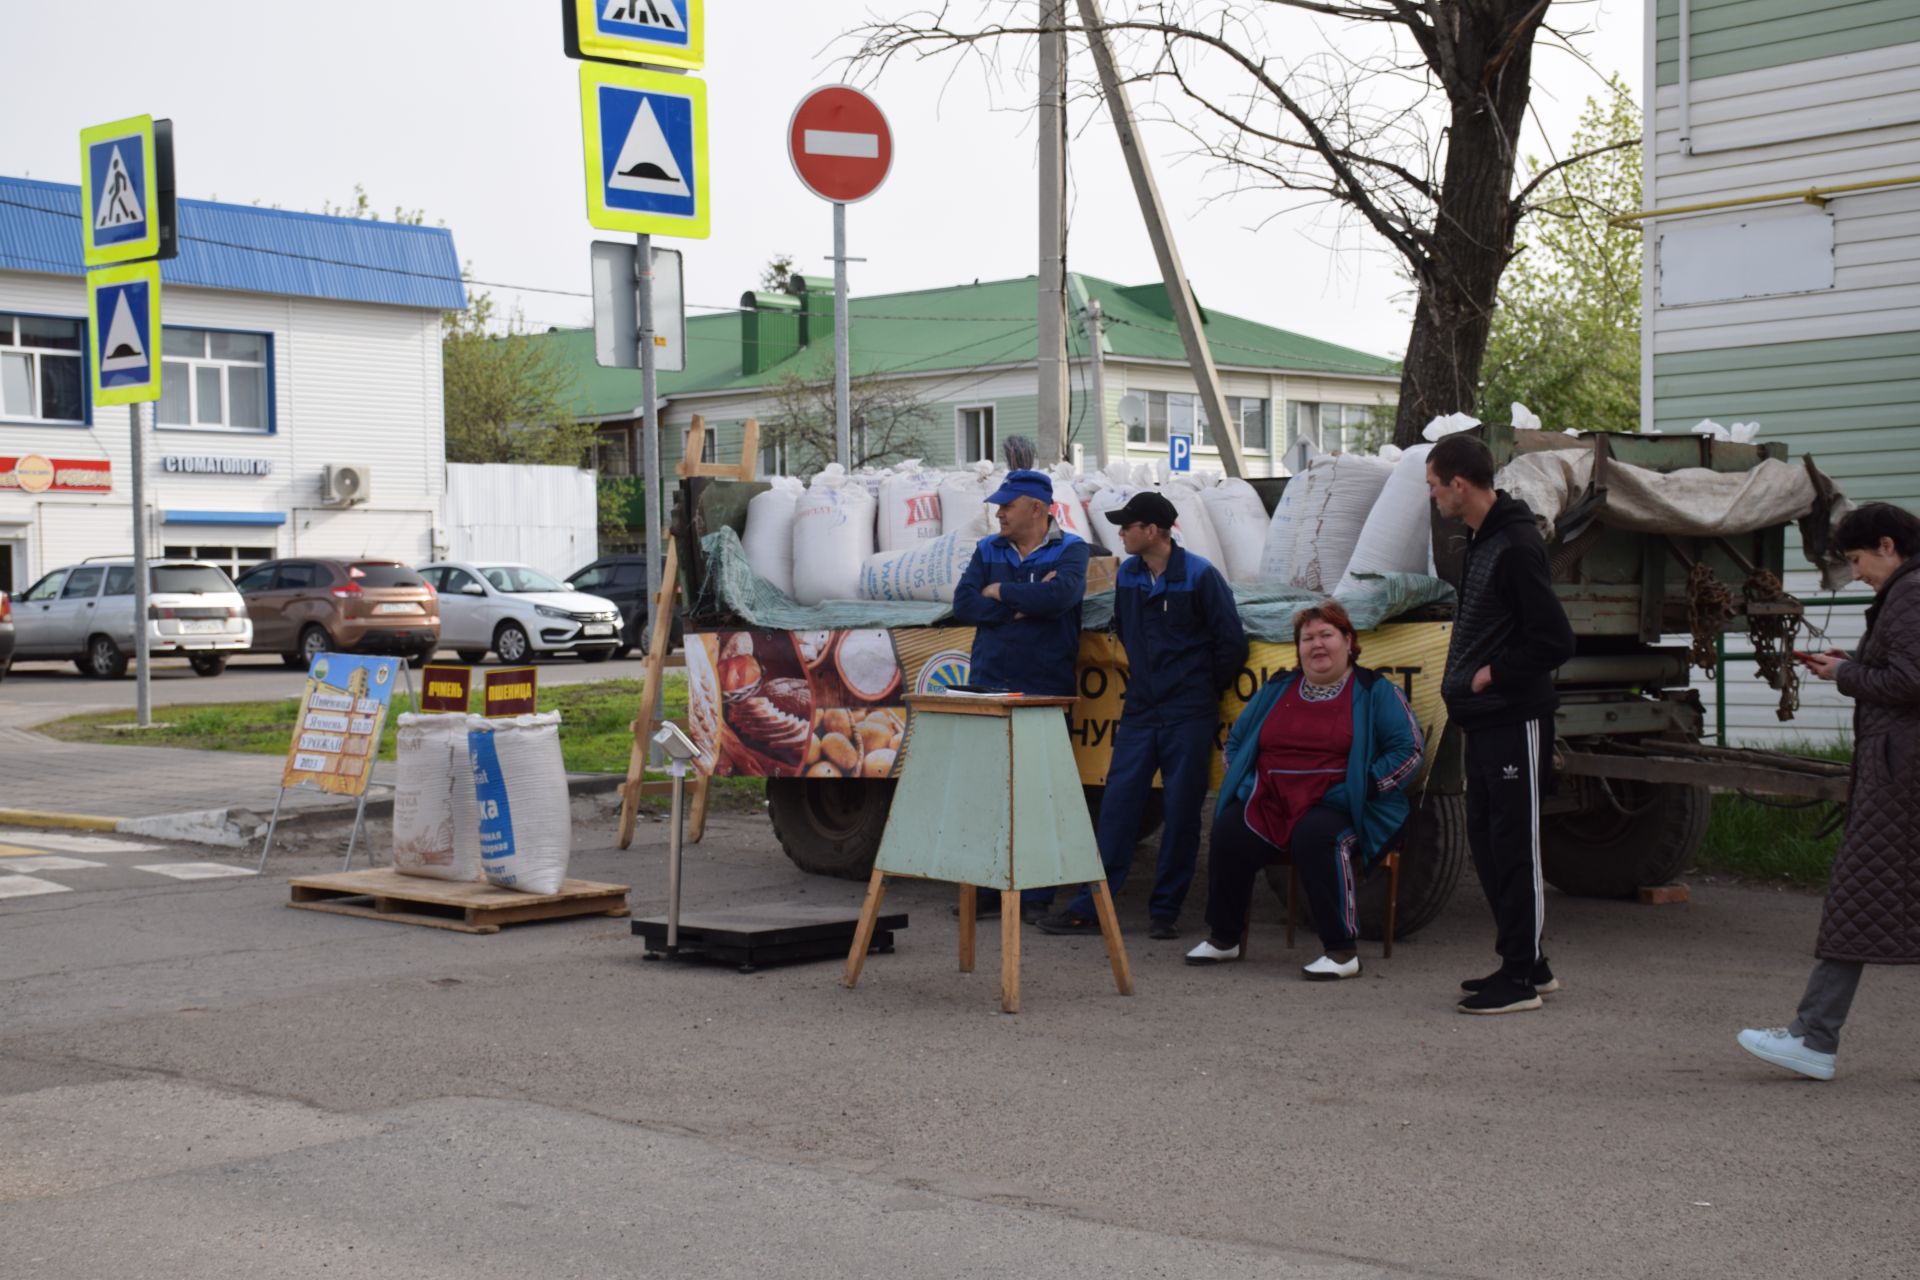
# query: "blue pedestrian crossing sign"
645 135
666 33
123 332
120 196
1180 452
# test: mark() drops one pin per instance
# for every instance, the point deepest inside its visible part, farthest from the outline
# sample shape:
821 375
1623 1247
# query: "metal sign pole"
650 425
142 691
272 822
842 353
359 815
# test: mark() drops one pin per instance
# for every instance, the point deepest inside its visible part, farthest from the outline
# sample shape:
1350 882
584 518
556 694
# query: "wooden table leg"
968 916
1110 931
1010 951
863 935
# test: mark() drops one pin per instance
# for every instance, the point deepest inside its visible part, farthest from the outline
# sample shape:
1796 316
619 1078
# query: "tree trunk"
1486 71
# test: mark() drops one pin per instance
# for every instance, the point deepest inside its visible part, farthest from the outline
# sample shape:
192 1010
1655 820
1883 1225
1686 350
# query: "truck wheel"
1150 817
1629 834
830 826
1430 867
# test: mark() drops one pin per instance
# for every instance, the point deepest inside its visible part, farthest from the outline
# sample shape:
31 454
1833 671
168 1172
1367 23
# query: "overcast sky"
470 112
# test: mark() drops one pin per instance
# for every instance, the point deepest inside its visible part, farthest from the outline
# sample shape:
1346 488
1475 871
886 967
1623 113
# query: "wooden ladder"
661 639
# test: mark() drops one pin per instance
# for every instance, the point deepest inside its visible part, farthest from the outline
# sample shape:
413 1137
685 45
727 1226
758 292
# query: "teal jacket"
1387 752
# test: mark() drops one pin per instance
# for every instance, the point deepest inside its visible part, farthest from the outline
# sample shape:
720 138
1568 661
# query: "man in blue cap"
1021 594
1175 616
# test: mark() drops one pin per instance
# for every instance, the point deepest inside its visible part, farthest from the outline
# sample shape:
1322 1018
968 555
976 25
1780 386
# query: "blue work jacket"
1383 763
1182 633
1038 651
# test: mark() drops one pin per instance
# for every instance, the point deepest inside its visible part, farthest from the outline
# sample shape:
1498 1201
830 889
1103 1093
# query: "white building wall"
352 382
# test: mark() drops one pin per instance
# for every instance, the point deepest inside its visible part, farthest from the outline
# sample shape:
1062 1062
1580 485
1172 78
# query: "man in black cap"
1175 616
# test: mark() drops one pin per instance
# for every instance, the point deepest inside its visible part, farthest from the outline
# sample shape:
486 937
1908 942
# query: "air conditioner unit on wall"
342 485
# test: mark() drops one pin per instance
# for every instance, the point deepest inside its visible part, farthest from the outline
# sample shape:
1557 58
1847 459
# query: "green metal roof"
958 328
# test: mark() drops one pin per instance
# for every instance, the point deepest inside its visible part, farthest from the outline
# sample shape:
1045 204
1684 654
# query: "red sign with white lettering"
839 143
35 474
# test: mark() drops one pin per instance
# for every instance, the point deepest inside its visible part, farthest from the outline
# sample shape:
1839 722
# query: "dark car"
304 606
623 580
6 635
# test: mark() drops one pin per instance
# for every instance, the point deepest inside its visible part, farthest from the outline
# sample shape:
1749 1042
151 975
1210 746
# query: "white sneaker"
1326 969
1207 953
1782 1049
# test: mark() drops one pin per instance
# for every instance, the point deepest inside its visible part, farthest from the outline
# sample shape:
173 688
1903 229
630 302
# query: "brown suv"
306 606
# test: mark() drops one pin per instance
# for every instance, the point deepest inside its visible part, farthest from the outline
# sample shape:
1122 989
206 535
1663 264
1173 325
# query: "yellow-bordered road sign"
119 191
645 135
666 33
123 332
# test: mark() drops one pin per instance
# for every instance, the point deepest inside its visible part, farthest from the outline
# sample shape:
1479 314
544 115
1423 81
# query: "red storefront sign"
35 474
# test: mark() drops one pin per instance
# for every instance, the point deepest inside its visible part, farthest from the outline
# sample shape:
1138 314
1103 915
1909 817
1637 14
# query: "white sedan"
517 611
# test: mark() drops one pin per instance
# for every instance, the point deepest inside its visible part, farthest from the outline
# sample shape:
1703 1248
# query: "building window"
1251 414
773 454
234 560
610 454
214 381
1334 428
43 374
976 442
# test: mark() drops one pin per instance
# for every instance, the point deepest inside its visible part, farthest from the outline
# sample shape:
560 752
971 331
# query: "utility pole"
1186 314
1097 365
1052 300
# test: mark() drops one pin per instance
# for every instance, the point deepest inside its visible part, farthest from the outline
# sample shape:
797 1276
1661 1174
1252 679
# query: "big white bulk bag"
832 538
909 507
963 501
929 571
769 537
436 820
1109 497
1240 526
520 785
1069 512
1276 556
1193 529
1327 519
1399 529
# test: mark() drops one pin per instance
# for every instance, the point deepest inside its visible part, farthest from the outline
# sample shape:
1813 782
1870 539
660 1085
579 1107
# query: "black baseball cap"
1146 507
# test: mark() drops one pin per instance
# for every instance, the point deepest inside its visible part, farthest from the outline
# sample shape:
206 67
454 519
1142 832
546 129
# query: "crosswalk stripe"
195 870
28 886
52 862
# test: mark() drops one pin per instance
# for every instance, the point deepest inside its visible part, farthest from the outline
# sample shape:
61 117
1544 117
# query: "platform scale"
746 937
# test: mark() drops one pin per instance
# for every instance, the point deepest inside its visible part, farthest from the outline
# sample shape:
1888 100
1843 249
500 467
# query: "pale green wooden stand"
990 796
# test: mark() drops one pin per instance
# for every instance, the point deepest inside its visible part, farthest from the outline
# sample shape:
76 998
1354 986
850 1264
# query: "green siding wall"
1852 403
1729 36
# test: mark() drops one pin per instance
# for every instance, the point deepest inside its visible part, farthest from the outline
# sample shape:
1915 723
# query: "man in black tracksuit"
1509 636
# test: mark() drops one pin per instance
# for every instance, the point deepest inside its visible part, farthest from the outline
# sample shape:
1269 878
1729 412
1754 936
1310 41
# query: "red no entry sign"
839 143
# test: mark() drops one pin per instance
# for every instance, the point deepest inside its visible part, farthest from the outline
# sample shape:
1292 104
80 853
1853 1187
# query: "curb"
238 827
63 821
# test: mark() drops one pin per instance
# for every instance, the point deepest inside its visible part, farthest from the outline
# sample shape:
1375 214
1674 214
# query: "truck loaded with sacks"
813 610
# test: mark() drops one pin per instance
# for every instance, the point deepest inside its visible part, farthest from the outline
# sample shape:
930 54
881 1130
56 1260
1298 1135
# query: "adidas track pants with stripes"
1507 774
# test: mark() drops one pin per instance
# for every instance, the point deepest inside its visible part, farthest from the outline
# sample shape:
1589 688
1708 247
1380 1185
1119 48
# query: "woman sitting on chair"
1317 770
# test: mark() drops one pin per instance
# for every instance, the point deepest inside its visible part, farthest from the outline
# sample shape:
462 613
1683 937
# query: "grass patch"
594 737
1766 842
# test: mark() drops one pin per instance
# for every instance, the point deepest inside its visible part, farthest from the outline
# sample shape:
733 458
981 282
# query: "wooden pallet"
384 894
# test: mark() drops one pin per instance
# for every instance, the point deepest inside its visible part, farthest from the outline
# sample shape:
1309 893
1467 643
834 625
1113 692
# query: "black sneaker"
1543 981
1065 922
1162 929
1502 995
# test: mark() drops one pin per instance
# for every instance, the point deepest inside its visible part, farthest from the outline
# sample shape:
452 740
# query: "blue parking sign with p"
1180 452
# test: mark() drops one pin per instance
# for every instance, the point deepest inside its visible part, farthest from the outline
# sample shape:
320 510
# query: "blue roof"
247 248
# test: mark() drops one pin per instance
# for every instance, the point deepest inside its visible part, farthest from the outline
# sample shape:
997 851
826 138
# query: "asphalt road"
197 1082
59 686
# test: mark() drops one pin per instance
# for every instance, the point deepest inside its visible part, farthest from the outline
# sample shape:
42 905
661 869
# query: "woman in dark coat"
1870 915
